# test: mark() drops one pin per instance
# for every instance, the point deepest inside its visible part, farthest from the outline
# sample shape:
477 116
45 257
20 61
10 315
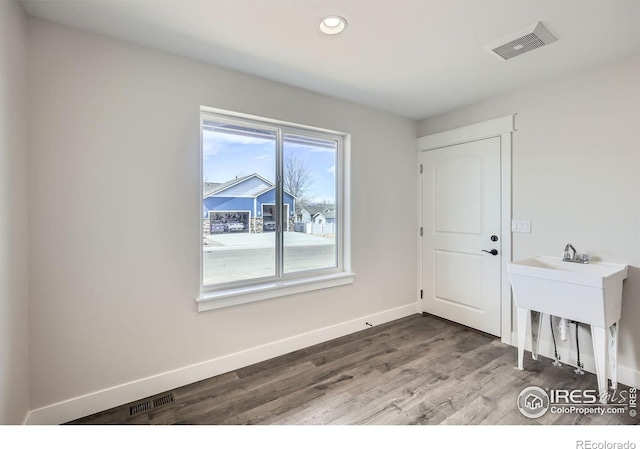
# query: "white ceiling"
415 58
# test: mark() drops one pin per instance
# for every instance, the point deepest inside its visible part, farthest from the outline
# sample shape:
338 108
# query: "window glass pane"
310 203
238 203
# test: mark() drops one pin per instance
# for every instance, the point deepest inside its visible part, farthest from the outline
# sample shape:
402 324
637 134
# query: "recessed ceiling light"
333 24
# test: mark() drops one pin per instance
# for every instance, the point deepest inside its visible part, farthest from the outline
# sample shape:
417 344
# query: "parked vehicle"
269 226
234 226
216 227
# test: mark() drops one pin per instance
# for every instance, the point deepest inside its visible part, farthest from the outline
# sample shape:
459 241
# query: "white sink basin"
594 274
588 293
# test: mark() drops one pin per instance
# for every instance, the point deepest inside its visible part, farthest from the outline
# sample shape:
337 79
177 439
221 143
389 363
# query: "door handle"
493 252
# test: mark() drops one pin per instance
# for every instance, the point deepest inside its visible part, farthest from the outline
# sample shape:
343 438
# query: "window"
274 209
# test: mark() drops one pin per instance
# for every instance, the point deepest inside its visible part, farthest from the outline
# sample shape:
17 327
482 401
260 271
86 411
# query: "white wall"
14 399
115 213
576 174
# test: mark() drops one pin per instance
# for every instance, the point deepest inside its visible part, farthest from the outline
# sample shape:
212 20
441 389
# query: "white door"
461 218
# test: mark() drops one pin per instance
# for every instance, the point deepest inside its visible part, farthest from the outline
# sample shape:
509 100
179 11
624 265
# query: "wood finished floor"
416 370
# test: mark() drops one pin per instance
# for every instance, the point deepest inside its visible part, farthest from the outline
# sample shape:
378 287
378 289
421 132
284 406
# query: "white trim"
97 401
252 293
568 356
343 208
288 209
506 309
502 127
217 113
228 196
419 299
200 199
483 130
279 197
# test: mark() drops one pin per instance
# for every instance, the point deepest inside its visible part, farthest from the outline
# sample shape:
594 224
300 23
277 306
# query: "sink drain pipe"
562 327
579 365
555 346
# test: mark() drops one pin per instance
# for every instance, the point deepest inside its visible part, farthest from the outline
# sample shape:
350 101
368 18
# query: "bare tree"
297 179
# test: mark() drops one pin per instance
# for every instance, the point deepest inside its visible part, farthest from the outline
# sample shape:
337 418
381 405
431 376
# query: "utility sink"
588 293
594 274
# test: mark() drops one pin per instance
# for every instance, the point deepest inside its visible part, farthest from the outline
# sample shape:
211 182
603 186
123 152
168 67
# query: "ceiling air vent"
521 42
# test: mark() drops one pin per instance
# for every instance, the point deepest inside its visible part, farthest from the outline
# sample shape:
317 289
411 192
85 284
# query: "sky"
227 156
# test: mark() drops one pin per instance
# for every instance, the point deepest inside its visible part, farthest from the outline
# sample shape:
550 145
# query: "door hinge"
421 232
420 294
420 168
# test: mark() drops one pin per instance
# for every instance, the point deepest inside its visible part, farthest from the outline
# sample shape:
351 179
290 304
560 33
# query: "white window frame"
282 284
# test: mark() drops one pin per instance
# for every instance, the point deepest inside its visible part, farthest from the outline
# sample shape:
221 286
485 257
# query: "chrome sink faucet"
571 255
567 255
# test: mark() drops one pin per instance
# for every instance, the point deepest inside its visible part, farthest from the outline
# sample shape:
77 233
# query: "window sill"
243 295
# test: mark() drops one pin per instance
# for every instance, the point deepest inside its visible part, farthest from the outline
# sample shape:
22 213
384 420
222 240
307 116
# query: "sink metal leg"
600 346
524 324
536 331
613 355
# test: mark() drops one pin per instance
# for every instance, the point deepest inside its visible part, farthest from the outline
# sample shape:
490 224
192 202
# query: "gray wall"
14 337
115 134
576 173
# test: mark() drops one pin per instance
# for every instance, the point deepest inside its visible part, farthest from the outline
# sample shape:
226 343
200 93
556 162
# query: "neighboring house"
243 200
318 219
319 214
304 216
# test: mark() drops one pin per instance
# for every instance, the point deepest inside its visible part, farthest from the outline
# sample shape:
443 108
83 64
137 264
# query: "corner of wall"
14 324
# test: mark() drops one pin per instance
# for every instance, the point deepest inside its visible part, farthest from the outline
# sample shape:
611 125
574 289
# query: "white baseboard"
626 376
97 401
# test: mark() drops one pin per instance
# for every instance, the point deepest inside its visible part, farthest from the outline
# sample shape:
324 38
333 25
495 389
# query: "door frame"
501 127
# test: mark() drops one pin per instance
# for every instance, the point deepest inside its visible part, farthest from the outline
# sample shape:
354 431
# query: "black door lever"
493 252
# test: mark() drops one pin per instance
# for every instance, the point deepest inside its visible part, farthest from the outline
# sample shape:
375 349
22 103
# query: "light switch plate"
521 226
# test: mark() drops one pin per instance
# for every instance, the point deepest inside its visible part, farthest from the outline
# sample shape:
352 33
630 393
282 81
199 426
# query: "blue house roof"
250 186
